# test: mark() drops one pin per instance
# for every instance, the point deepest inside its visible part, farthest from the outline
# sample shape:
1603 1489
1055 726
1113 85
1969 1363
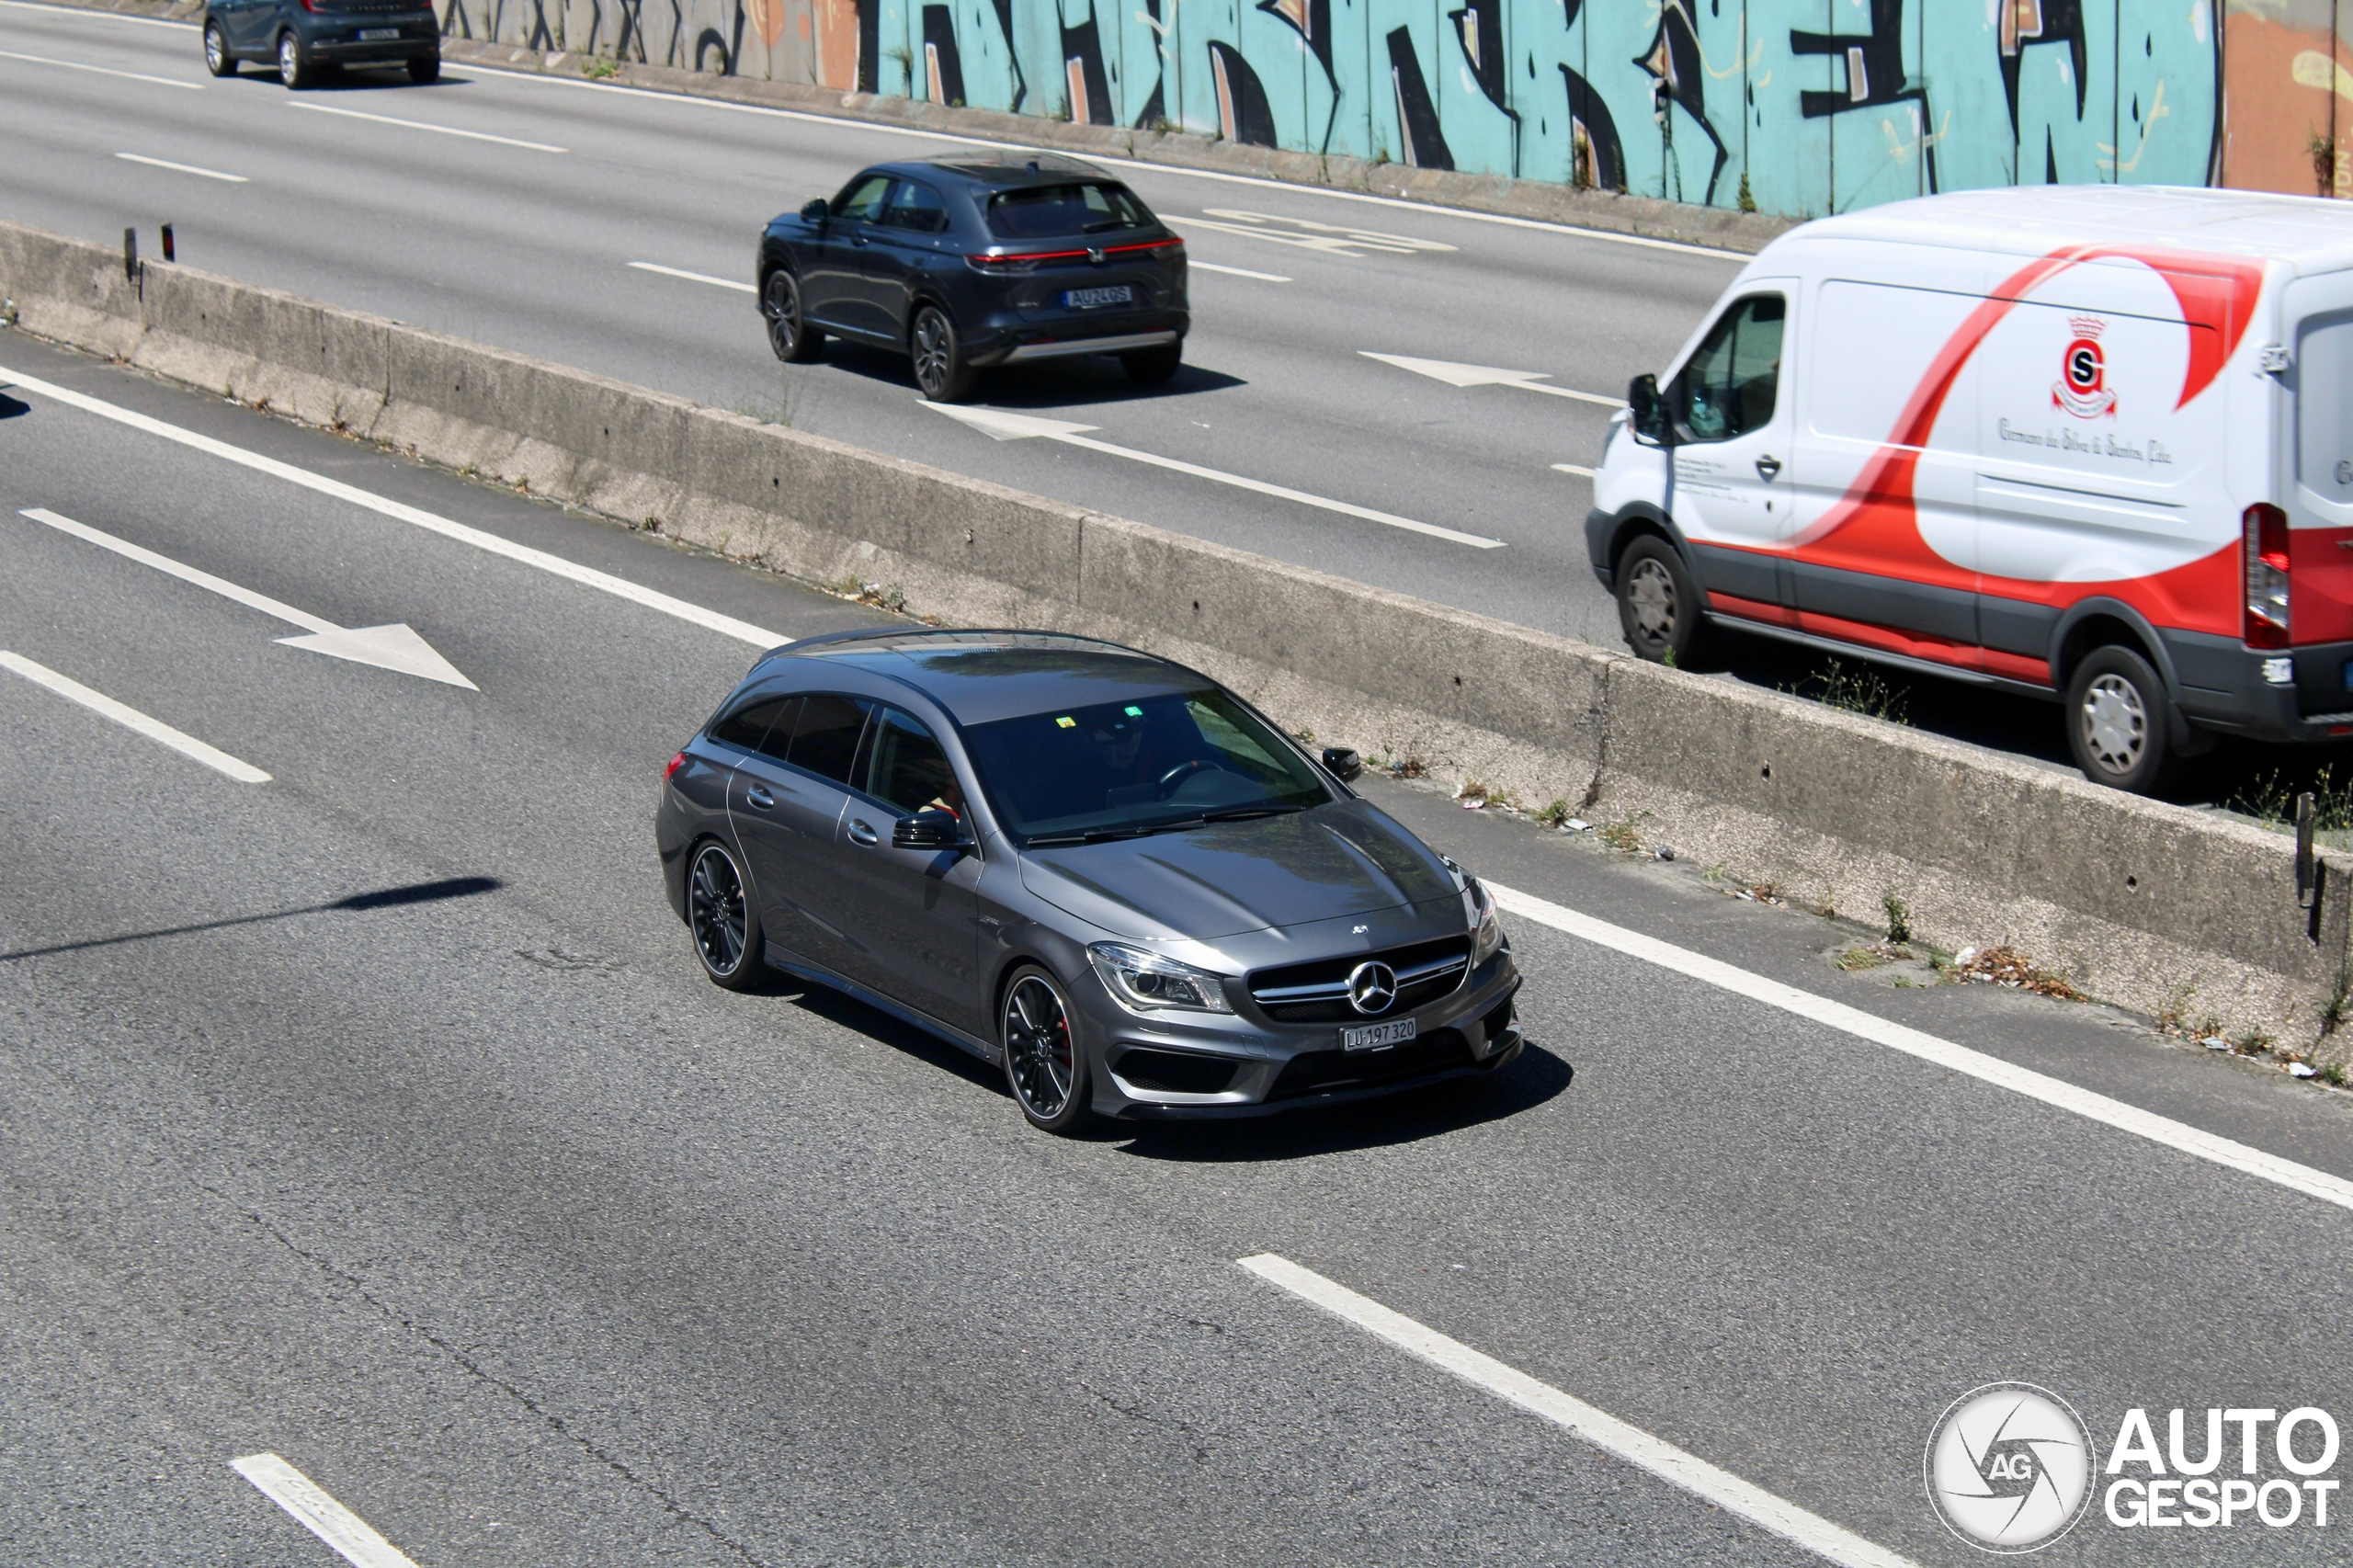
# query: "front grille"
1175 1073
1317 991
1329 1072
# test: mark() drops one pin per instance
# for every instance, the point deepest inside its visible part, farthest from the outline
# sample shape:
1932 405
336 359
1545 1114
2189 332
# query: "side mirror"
1648 409
928 830
815 211
1343 764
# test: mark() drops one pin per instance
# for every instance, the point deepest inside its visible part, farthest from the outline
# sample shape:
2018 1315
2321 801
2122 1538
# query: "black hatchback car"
306 39
1101 871
969 260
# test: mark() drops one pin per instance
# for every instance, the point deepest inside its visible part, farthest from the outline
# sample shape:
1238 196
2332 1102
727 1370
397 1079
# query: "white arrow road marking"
1456 375
1603 1430
1578 469
693 277
400 511
129 718
1001 425
346 1531
394 647
2056 1092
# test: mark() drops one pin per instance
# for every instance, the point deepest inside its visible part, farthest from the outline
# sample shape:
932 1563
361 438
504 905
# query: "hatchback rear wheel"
1042 1062
726 928
217 58
939 354
295 68
427 68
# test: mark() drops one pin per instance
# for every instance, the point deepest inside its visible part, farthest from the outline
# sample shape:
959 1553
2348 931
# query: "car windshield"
1121 769
1053 212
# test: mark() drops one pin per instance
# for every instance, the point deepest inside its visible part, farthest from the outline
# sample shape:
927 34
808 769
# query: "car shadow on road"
1075 383
1450 1106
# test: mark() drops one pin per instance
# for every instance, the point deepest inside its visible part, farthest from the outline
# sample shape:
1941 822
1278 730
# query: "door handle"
759 797
1768 466
861 834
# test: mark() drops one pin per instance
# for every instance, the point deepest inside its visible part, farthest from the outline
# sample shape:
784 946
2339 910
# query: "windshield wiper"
1174 824
1243 813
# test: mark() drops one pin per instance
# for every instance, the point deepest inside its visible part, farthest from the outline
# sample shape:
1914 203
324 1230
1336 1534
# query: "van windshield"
1054 211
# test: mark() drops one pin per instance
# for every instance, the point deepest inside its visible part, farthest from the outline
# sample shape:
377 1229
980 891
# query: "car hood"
1207 882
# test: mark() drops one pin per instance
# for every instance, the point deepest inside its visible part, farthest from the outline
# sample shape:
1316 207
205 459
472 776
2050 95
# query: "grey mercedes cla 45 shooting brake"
1101 871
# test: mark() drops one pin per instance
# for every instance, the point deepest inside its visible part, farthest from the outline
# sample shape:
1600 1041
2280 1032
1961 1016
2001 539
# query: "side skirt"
1894 661
817 974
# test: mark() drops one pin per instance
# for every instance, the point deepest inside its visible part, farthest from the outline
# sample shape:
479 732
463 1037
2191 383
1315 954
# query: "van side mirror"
1649 421
928 830
1343 764
815 211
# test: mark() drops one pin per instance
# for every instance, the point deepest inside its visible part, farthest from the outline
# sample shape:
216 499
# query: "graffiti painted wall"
1801 107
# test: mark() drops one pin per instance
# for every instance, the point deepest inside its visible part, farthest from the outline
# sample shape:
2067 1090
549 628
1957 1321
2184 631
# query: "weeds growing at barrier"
2270 798
1899 918
1855 689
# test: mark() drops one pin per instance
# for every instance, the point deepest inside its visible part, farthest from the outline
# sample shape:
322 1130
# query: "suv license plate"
1083 299
378 34
1378 1037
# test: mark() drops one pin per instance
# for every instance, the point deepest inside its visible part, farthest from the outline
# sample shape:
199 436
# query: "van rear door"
2320 499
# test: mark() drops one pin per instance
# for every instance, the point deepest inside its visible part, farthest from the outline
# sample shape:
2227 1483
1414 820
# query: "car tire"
1151 366
426 69
2120 722
295 68
941 374
1658 604
789 333
722 919
1044 1065
217 58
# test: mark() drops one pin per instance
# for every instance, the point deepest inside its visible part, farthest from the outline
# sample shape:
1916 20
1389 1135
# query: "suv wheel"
1150 367
1043 1064
789 333
1658 605
428 69
939 354
217 58
295 68
2120 721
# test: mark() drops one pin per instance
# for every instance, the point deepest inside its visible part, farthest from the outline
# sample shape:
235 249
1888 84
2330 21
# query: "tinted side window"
907 768
863 198
1728 388
826 740
763 724
915 206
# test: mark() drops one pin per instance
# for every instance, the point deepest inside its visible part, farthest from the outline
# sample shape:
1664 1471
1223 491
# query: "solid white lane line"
1578 469
78 12
100 70
182 168
1569 230
2178 1136
346 1531
999 425
588 576
129 718
1604 1431
1237 271
421 125
694 277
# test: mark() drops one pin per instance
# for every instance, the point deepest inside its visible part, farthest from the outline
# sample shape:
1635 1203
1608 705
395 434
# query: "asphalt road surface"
376 1116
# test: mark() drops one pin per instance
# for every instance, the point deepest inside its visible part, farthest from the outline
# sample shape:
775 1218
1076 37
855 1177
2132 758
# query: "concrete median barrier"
2135 900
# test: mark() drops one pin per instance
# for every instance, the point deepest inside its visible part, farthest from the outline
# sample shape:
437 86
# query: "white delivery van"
2088 443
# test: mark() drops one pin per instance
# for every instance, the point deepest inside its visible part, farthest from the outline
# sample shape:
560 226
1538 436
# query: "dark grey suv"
1102 870
304 39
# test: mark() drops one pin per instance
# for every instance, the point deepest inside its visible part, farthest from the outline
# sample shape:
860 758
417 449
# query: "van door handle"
1768 466
861 834
759 797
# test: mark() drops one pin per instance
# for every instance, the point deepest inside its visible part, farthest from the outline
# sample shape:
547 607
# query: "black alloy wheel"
940 371
295 68
2120 721
1151 366
1658 605
428 69
789 333
718 913
217 58
1042 1062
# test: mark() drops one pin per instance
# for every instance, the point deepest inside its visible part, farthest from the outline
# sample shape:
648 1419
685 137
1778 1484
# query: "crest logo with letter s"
2081 388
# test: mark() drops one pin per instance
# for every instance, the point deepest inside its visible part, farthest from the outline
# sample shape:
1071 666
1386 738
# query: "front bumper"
1168 1066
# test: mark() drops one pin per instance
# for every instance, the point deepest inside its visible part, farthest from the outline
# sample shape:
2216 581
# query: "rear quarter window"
1055 212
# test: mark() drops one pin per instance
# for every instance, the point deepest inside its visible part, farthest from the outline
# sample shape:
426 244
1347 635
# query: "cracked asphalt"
480 1206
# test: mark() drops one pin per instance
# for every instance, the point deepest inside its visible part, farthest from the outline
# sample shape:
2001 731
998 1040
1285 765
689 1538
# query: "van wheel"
2120 721
1658 605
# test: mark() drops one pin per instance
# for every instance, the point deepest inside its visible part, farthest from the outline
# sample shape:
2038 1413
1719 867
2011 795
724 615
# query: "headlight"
1145 980
1486 932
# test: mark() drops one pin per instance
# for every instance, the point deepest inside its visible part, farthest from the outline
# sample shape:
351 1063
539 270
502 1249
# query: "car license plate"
1378 1037
1083 299
377 35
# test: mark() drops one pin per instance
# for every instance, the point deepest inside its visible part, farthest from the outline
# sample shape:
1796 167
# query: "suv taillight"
2265 551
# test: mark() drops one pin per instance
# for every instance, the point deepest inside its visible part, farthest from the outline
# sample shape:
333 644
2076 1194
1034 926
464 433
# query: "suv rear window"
1050 211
